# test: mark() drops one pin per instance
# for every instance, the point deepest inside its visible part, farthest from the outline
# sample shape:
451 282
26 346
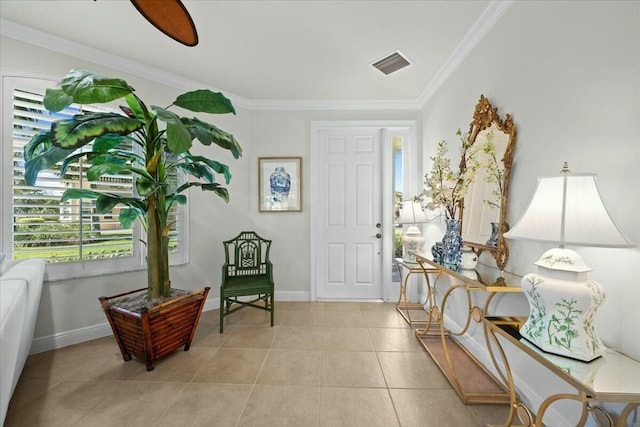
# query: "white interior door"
349 213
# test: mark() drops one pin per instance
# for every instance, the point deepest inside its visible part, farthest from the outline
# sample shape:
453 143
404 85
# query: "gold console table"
473 383
403 306
611 378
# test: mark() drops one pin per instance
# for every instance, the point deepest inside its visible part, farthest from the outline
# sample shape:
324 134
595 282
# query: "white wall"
569 73
70 311
566 71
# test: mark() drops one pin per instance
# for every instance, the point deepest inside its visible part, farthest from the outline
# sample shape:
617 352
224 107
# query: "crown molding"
311 104
58 44
480 28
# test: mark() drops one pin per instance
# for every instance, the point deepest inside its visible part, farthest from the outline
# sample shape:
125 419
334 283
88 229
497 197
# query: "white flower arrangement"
495 173
445 187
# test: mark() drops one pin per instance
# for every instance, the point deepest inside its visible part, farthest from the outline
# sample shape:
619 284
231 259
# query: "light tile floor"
322 364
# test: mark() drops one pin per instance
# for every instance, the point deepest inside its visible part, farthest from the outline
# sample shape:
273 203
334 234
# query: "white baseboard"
77 336
68 338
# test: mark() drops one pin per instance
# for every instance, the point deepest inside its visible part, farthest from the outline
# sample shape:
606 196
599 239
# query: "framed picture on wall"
280 184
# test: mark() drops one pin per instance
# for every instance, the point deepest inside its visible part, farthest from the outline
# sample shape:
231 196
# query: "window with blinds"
72 236
42 226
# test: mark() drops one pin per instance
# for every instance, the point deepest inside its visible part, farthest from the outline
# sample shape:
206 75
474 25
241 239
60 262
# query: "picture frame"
280 184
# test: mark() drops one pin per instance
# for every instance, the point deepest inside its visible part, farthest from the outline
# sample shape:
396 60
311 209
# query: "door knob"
377 236
378 225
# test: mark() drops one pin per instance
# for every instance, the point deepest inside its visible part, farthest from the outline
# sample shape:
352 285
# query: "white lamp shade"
411 213
568 210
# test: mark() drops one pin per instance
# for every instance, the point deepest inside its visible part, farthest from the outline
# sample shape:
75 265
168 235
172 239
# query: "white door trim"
387 192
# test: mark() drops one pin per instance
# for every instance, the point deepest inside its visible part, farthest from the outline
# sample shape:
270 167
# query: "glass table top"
612 374
483 276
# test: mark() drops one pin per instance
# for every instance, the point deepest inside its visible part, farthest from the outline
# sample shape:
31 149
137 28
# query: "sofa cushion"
13 308
13 297
20 290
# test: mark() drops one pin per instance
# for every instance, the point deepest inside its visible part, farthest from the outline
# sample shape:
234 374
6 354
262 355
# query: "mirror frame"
484 116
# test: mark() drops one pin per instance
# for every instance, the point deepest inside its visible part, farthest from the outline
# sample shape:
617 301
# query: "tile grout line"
255 381
393 403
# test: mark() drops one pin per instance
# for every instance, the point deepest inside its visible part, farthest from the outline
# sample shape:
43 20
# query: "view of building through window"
42 226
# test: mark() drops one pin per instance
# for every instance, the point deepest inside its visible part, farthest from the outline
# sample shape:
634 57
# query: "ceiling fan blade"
170 17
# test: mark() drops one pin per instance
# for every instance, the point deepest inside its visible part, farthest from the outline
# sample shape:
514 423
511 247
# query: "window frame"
75 269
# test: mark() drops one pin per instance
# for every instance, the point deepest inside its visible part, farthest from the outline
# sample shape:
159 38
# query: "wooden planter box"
157 331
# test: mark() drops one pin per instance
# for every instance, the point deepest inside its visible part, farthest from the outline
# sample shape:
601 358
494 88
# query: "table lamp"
412 240
566 210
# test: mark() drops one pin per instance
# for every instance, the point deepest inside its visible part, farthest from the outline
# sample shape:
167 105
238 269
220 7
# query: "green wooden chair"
246 275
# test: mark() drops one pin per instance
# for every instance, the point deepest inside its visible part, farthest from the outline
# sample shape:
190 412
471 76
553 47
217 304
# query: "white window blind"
72 237
42 226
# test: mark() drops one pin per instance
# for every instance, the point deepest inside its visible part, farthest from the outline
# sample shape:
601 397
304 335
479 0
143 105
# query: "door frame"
388 127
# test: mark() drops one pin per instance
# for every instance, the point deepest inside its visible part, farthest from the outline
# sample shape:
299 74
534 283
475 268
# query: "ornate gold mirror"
484 209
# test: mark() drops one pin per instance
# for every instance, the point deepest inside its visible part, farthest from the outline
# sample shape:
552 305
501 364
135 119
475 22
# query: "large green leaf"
205 101
86 87
40 143
40 154
56 100
179 139
128 156
106 142
106 168
219 190
82 129
43 161
128 216
137 107
198 170
69 160
145 187
188 185
181 199
216 166
106 202
78 193
165 115
215 187
207 134
97 170
102 158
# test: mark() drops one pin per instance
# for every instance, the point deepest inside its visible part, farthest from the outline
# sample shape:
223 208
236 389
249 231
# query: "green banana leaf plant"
163 140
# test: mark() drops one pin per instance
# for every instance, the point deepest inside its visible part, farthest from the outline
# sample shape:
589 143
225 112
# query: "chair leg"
221 313
272 307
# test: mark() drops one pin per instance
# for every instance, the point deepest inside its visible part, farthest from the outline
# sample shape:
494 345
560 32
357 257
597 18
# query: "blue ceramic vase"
280 184
493 240
452 244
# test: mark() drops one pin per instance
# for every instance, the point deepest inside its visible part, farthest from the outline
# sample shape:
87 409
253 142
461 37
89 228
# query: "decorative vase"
468 259
493 240
280 184
158 331
437 250
412 241
452 244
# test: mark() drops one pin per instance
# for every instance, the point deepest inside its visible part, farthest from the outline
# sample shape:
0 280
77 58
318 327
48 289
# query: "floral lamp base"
563 306
412 241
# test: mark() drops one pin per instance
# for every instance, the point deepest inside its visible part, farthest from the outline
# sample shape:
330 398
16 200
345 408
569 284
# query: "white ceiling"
270 51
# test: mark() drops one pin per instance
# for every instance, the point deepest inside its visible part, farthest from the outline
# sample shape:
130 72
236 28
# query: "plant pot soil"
151 333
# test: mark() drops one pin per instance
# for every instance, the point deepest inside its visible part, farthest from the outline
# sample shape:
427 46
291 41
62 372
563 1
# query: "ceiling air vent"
391 63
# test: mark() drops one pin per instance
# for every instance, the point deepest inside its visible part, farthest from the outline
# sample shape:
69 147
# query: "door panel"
349 207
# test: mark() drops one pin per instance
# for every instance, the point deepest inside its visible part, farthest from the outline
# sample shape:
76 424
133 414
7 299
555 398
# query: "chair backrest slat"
247 254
